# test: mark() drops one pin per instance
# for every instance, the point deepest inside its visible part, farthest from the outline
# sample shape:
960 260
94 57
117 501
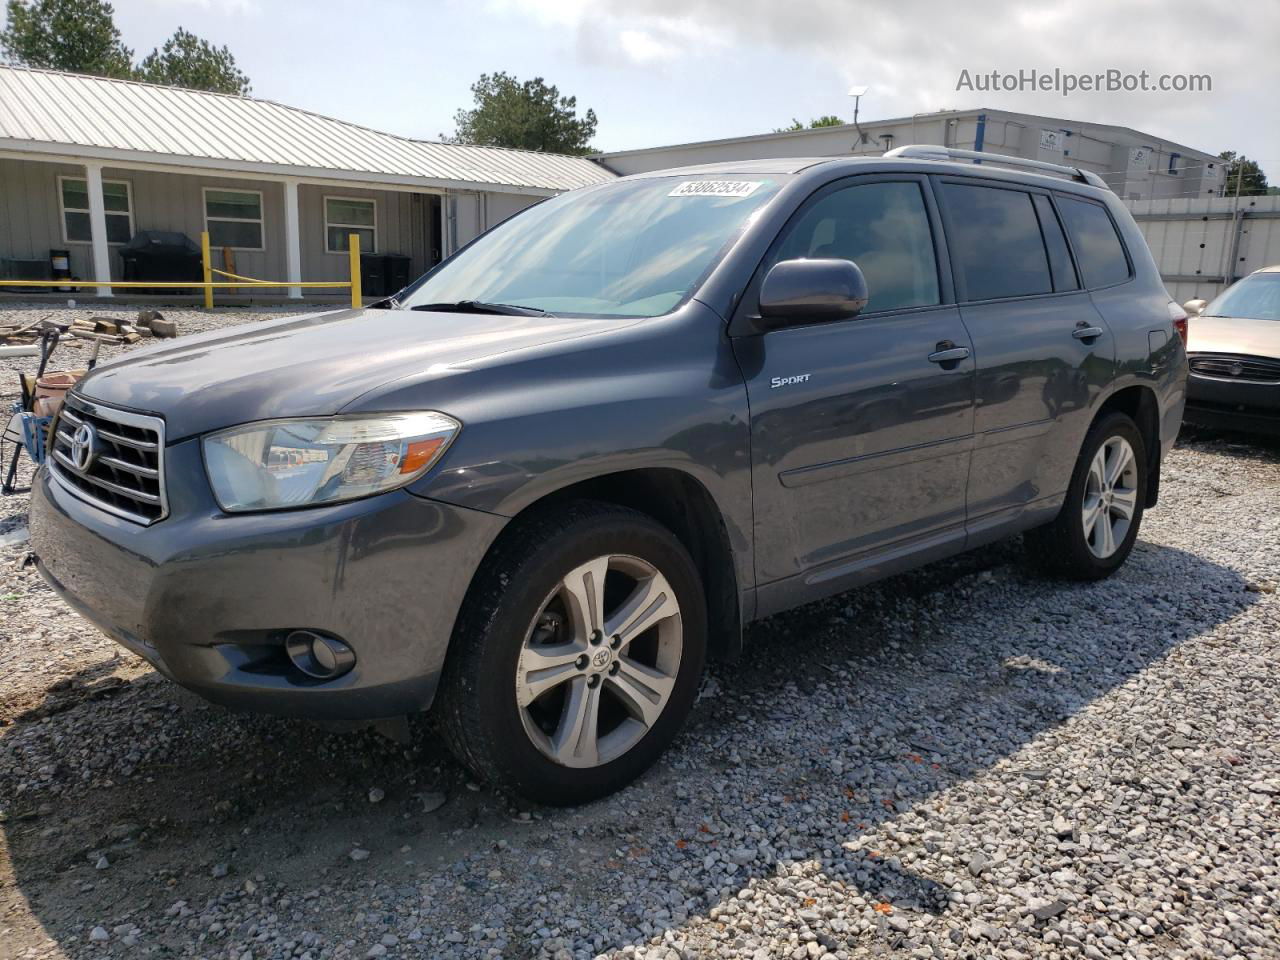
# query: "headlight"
296 463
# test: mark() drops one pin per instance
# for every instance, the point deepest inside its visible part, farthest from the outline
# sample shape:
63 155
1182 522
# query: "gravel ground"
965 761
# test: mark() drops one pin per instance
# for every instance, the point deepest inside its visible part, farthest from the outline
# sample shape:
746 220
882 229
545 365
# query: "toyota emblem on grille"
84 446
1236 369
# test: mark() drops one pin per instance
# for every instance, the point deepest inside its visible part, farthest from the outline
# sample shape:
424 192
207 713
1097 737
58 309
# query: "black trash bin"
162 255
398 272
14 268
382 274
373 275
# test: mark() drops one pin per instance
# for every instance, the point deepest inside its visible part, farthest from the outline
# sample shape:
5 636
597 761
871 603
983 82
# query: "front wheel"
577 657
1096 529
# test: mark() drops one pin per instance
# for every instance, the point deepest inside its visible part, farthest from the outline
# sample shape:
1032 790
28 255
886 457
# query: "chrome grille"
112 458
1231 367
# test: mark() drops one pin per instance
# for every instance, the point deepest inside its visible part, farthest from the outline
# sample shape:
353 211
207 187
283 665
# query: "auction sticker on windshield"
716 188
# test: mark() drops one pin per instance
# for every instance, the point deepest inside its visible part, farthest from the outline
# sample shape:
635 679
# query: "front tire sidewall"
512 757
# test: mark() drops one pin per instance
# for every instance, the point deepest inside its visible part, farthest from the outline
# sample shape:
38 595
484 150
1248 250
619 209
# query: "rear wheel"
577 658
1098 524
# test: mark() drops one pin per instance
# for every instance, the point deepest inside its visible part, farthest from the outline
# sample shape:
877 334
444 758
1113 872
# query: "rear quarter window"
1064 273
1098 248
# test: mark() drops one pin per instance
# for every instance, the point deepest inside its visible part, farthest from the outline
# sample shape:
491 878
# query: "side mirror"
811 291
1195 307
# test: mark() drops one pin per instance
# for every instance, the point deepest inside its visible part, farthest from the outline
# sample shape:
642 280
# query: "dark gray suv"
538 489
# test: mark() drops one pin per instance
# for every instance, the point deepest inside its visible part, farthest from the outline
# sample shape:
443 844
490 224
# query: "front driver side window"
884 228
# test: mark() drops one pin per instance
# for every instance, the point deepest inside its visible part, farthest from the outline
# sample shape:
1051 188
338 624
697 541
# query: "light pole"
857 92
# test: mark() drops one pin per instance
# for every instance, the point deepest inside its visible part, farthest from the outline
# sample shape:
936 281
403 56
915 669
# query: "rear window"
1097 245
995 242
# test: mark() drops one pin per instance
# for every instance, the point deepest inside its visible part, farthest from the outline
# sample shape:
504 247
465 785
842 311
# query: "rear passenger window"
884 228
1093 236
1064 272
995 242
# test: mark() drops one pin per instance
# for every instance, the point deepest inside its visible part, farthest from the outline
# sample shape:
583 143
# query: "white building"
87 162
1136 165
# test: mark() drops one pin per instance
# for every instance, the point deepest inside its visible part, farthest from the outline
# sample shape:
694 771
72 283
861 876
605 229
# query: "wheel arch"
681 503
1139 403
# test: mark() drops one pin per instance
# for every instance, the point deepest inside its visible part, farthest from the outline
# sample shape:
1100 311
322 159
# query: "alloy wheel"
1110 497
599 661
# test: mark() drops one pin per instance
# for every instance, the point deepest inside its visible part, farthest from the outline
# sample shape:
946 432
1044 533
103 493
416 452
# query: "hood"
312 365
1254 338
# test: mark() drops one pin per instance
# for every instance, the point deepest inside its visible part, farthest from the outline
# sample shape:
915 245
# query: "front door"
861 428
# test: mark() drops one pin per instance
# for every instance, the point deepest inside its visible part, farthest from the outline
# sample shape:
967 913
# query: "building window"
116 199
345 215
233 218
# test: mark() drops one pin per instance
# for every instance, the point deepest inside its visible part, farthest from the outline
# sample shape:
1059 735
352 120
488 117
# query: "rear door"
860 428
1042 350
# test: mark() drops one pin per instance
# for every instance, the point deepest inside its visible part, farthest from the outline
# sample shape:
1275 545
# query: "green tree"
75 35
827 120
1252 181
528 115
187 61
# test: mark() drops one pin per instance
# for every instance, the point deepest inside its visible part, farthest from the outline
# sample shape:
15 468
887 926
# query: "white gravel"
962 762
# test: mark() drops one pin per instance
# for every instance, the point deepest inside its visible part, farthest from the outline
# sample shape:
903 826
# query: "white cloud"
643 47
565 13
217 6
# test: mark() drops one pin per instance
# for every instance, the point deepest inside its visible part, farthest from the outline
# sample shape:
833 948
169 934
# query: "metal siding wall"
1101 151
171 201
395 228
1189 247
31 216
467 207
419 210
504 205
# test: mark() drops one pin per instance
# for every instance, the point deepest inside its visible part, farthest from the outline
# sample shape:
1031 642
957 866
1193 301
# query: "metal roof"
102 118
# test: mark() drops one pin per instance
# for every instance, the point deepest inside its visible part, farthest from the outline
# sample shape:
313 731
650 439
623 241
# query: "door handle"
1084 332
948 354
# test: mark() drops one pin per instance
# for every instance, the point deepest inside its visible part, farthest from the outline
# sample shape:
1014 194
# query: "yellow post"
208 269
353 251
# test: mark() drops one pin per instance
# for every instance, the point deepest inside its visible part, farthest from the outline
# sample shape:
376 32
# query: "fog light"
319 656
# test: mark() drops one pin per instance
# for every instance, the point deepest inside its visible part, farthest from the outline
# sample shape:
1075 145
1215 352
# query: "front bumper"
1225 404
208 597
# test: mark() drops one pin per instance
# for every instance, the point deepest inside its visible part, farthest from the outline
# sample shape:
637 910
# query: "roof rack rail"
928 151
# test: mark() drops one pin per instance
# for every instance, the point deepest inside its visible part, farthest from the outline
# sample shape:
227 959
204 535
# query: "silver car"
1234 351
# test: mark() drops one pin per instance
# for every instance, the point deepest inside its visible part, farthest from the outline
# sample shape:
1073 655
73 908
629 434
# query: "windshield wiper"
483 306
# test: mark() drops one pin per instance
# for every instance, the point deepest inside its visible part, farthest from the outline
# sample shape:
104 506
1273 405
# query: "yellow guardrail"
208 285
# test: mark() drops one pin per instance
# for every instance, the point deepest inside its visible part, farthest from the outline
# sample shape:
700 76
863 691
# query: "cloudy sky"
670 71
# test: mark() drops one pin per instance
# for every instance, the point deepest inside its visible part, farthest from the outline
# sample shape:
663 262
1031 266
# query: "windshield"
1254 298
637 248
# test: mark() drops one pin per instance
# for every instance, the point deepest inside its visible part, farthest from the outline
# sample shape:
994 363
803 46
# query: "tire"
1063 548
526 671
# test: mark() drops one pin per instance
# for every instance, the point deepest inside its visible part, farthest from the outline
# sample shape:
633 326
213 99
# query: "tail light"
1179 318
